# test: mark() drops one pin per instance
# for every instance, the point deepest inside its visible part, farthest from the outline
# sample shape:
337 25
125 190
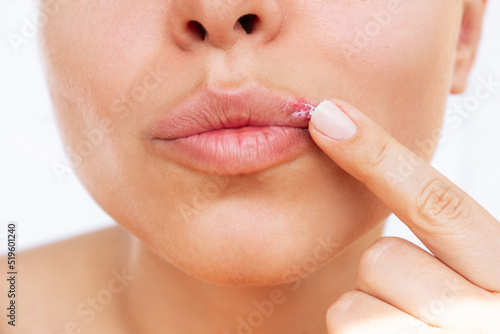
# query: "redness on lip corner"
303 109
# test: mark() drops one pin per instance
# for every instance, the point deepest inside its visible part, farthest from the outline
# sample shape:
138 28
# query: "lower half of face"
113 69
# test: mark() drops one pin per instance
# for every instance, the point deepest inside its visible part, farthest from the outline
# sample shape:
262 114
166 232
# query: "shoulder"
52 282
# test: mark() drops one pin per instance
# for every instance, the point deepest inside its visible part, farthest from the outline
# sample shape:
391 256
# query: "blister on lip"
304 110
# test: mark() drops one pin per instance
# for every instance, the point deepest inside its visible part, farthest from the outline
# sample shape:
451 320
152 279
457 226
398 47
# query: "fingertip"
329 119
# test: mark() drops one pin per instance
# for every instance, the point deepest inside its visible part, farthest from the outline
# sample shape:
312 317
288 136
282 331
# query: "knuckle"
370 259
373 156
440 202
376 156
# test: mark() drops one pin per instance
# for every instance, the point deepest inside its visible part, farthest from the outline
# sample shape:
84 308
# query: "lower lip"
237 151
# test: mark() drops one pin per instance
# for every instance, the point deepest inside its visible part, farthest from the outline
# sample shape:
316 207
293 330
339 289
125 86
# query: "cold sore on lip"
303 109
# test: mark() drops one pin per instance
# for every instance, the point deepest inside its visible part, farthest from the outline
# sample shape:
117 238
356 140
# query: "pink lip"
234 132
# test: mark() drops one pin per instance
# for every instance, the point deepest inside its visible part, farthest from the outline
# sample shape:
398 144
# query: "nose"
222 23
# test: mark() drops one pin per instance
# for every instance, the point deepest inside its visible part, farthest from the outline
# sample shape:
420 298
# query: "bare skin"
80 267
50 290
212 271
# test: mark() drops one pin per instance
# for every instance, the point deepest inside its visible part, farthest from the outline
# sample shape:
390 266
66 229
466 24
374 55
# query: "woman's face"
115 68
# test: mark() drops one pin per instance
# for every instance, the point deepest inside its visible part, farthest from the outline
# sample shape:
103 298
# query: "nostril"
197 28
247 22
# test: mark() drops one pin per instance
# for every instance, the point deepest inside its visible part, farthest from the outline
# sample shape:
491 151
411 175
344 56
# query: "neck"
164 299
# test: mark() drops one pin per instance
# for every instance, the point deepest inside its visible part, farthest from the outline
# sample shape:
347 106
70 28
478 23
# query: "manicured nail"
333 122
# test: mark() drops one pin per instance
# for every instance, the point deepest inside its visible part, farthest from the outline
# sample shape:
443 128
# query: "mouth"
234 132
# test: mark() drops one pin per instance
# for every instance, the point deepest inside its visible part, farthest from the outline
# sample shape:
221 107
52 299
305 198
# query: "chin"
240 243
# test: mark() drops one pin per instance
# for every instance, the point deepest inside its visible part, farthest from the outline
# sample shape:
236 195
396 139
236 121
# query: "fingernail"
333 122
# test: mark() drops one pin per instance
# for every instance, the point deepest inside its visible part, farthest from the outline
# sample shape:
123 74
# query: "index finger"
455 228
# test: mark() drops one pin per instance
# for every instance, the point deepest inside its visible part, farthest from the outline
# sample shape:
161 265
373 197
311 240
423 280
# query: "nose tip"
222 23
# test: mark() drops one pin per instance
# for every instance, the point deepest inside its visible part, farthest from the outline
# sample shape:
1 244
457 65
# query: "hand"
400 288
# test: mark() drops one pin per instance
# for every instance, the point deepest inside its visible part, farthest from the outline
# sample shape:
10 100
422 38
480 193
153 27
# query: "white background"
48 209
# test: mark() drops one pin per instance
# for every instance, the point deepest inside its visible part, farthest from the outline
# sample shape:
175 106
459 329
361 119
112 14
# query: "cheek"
95 89
393 59
109 60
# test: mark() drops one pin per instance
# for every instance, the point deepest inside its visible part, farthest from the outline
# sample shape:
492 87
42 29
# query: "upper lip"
214 108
